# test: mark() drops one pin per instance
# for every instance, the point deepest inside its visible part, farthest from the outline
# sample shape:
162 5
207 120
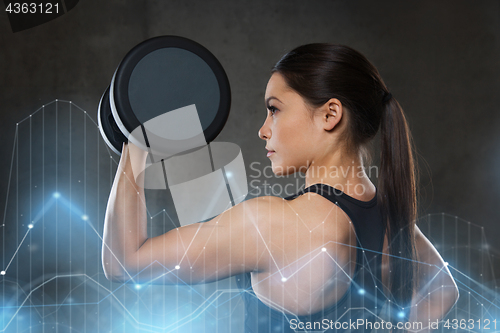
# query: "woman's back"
328 255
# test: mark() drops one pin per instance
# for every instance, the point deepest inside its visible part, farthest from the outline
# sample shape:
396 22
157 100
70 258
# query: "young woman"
337 250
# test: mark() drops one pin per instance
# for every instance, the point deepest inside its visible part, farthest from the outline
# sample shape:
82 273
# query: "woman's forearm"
125 225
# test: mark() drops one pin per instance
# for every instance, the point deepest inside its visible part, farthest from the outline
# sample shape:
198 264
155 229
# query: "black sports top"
364 298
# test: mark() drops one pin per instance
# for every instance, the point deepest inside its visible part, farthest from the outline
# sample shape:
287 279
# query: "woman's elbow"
456 295
451 297
112 269
115 277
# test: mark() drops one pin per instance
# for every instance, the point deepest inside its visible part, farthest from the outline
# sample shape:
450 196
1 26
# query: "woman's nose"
265 132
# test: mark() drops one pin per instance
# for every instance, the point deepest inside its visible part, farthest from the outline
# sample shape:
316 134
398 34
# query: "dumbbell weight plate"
110 132
169 73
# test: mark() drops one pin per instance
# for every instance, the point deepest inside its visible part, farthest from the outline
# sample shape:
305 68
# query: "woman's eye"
272 109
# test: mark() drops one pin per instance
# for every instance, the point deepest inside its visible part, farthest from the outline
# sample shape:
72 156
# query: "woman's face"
289 130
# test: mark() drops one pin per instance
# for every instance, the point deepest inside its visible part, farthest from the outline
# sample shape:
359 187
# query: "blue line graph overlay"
51 274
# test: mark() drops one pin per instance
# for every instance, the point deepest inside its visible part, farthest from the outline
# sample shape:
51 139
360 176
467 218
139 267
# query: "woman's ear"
331 114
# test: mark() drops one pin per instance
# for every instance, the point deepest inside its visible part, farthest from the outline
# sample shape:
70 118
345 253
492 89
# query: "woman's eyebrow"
272 97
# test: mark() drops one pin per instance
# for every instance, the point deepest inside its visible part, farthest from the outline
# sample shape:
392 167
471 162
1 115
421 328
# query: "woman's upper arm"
203 252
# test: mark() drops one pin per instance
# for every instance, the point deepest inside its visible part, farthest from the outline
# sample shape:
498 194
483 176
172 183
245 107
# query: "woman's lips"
269 153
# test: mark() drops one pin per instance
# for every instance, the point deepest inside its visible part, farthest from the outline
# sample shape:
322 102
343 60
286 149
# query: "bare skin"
301 253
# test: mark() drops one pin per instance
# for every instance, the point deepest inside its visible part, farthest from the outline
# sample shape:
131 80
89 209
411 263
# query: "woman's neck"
343 172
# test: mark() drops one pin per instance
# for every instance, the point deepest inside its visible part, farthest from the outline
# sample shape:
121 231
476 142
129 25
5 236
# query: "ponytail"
398 198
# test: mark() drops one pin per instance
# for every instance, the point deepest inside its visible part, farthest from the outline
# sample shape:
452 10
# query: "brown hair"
319 72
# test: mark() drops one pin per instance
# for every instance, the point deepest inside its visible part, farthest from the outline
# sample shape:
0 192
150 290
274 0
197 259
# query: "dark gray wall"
441 60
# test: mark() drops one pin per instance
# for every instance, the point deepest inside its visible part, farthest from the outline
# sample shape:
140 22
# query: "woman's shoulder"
305 213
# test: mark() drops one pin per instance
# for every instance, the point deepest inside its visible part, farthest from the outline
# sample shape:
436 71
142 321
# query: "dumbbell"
163 74
171 97
110 132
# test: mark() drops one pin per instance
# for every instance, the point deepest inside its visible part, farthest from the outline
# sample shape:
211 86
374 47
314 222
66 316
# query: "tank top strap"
334 195
321 189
